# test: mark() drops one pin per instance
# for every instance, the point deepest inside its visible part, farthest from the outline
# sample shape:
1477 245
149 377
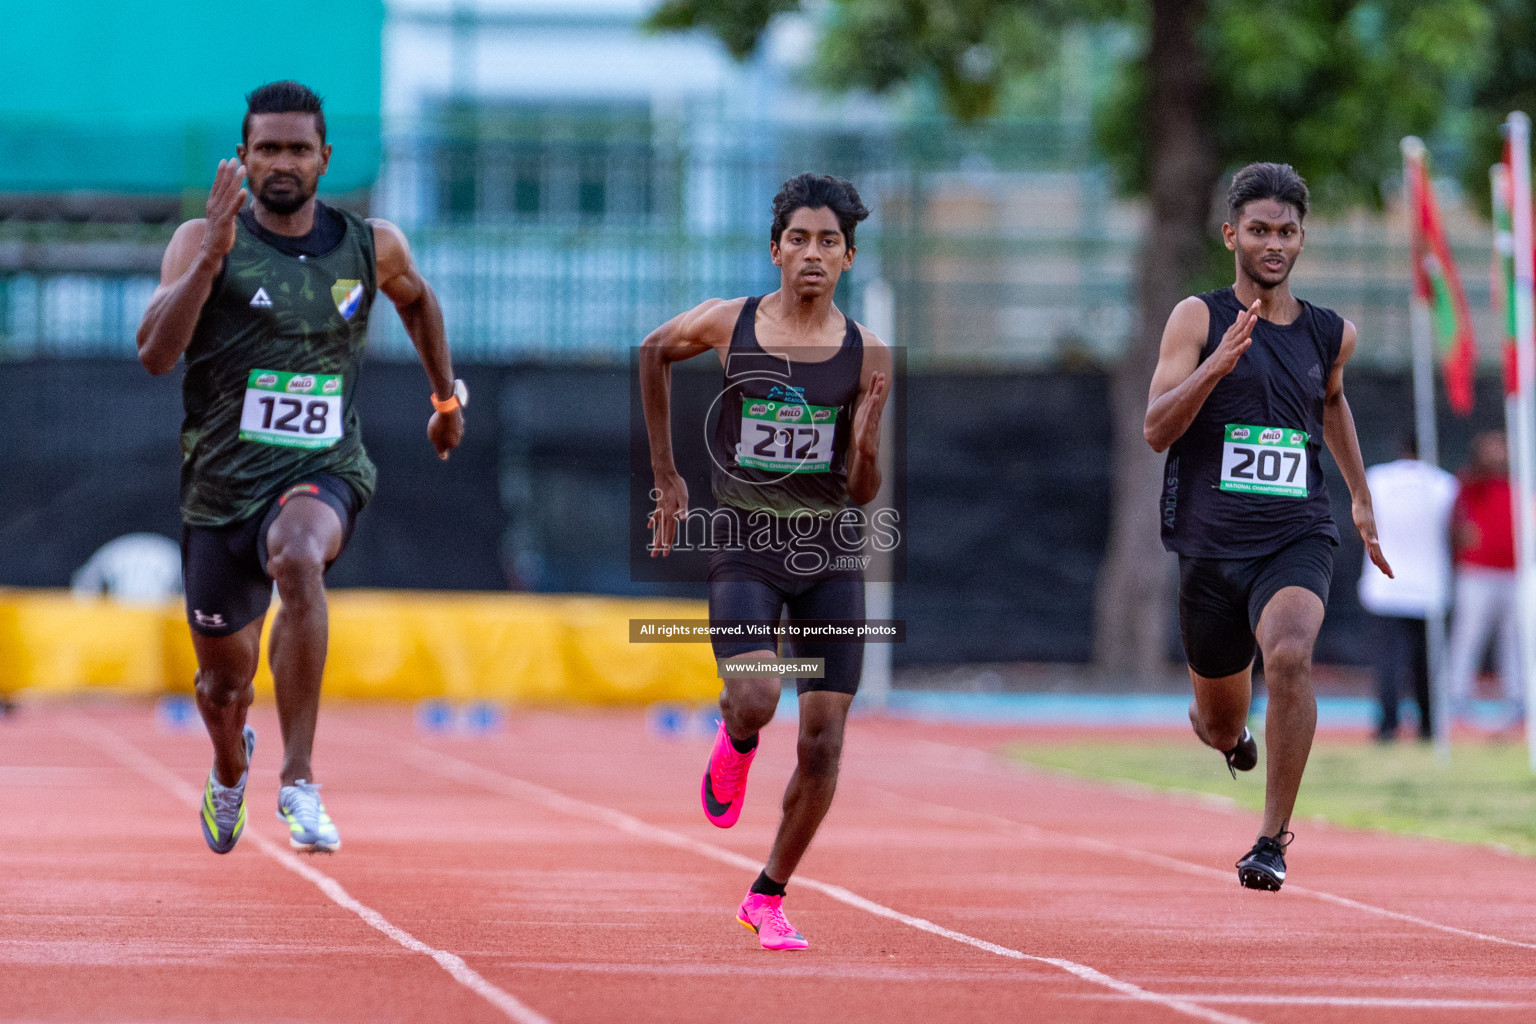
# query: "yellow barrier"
525 648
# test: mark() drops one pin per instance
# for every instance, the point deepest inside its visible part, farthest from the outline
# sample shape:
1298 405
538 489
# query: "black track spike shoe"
1264 866
1244 756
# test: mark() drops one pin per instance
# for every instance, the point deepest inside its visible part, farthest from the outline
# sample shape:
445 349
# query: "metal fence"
567 235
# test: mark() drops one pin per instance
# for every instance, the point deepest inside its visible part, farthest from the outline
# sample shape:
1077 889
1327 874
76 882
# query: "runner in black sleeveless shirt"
1249 386
270 305
797 440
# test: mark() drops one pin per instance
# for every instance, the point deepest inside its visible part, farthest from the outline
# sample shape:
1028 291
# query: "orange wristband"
458 400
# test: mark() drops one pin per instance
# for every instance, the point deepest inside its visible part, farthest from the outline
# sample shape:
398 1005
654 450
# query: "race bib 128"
1264 460
294 410
786 437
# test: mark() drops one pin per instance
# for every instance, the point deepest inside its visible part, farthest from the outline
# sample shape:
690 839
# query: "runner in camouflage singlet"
282 314
270 306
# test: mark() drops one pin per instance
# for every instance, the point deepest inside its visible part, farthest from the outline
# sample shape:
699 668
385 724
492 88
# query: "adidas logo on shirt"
261 300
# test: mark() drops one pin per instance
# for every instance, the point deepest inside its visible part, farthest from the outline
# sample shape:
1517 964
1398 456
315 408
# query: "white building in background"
559 166
549 50
565 112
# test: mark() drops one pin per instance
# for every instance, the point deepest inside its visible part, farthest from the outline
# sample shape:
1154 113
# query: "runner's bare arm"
1344 444
191 264
423 319
864 442
1181 383
703 328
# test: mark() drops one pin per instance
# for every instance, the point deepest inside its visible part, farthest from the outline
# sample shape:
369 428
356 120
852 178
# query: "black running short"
1221 599
223 568
745 586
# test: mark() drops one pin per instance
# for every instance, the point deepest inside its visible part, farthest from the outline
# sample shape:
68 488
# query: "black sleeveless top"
1245 479
781 440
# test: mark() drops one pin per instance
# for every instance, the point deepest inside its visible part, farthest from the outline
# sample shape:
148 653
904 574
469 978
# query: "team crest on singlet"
348 295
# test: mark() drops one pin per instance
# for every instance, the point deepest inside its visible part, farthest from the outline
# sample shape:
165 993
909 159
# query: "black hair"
1267 181
819 191
286 97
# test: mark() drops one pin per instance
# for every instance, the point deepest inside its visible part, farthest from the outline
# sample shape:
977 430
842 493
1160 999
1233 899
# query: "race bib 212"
786 437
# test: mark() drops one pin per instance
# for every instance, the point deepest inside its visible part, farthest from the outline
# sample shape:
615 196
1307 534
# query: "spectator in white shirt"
1413 502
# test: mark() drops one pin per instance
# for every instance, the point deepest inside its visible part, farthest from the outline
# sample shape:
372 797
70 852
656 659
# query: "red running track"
561 871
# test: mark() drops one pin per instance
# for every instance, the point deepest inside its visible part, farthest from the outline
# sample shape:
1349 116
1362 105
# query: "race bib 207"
1264 460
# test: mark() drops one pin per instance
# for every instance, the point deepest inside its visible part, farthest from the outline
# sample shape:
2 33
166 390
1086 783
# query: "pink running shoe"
765 915
725 781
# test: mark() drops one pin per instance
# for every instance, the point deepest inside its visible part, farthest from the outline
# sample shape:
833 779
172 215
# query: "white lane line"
804 972
131 757
1363 1002
497 782
985 763
1002 972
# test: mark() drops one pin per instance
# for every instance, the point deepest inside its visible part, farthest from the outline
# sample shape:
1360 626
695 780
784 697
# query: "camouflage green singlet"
272 371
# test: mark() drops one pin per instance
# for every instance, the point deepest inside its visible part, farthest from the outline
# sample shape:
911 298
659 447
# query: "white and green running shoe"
223 811
309 827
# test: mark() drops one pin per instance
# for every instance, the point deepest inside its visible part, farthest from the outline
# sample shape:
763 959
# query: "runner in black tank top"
795 445
781 441
1249 386
270 306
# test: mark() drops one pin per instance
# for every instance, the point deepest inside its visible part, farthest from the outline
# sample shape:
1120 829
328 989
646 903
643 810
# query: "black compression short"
1221 599
223 568
741 587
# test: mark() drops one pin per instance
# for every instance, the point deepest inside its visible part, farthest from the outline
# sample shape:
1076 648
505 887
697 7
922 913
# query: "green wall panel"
146 97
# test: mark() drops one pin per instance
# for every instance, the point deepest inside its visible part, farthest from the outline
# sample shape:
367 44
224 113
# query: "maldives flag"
1436 282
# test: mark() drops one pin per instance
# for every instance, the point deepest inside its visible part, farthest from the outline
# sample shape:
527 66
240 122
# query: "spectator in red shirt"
1482 525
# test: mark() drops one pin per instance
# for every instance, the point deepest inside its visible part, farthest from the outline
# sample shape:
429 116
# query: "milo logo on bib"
786 437
1264 460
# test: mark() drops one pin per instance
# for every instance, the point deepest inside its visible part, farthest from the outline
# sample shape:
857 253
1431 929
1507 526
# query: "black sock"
767 886
744 746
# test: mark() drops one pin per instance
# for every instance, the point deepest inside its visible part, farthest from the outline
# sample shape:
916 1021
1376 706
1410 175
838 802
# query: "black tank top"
781 440
1245 479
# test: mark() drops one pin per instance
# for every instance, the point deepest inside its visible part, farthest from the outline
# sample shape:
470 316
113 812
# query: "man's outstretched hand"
445 431
224 202
866 419
1365 521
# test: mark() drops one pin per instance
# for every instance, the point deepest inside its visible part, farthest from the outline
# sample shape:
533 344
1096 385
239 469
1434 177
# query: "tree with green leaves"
1508 82
1330 86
